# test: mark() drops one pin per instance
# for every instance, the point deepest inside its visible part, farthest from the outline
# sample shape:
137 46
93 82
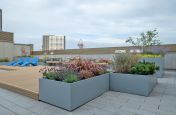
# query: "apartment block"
52 42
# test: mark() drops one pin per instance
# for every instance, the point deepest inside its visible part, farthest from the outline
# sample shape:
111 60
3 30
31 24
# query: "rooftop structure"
52 42
6 37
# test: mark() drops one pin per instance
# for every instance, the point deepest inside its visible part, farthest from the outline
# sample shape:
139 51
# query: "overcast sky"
100 23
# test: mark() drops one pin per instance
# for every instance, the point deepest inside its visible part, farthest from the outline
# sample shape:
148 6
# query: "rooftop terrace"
160 102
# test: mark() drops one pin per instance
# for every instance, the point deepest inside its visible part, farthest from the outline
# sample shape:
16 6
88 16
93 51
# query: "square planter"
69 96
158 62
131 83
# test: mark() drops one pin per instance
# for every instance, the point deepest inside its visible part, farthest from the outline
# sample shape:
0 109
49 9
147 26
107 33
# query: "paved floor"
162 101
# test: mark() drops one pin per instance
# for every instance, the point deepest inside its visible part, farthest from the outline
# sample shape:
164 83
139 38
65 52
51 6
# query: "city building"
52 42
9 49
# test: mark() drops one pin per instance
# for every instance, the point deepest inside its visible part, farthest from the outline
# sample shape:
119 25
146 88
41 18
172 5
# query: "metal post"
0 20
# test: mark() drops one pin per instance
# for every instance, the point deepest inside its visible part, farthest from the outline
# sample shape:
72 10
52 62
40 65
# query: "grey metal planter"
159 62
69 96
131 83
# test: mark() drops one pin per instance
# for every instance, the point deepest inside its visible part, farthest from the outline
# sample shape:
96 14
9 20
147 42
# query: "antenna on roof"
0 20
80 44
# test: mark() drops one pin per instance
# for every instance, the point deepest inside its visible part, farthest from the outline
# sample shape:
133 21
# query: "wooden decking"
22 80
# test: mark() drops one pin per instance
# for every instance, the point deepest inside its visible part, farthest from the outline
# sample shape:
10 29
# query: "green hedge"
4 60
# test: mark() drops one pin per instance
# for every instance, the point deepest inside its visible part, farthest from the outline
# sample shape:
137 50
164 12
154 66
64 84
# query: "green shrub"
143 68
70 78
4 60
25 56
157 68
63 73
41 60
51 75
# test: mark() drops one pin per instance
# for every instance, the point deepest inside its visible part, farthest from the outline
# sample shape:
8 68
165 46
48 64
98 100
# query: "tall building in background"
52 42
0 20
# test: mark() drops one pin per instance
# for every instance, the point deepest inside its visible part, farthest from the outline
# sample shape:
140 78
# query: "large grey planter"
69 96
131 83
159 62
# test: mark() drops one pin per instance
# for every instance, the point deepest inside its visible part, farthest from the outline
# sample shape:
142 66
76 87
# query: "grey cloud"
88 19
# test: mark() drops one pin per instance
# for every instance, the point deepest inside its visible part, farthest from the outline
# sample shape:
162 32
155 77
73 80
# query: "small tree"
146 39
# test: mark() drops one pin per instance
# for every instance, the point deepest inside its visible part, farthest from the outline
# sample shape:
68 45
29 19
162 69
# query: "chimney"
0 20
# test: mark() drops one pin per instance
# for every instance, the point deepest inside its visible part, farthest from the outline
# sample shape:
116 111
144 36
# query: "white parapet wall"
11 50
88 56
6 50
22 49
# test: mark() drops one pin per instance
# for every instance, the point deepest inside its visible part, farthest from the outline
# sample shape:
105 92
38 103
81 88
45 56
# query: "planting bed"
69 96
131 83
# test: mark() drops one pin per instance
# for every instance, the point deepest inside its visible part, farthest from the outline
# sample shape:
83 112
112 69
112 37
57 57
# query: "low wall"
106 50
6 50
170 60
89 56
10 50
22 49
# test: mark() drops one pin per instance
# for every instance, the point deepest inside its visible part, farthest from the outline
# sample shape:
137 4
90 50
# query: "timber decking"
22 80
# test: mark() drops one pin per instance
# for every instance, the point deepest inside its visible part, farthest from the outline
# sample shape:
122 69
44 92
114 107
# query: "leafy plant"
50 75
83 64
145 40
123 61
84 74
59 74
63 73
157 68
76 70
70 78
41 60
143 68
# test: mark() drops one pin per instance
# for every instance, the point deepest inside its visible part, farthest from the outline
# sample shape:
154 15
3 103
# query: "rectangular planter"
131 83
158 62
69 96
